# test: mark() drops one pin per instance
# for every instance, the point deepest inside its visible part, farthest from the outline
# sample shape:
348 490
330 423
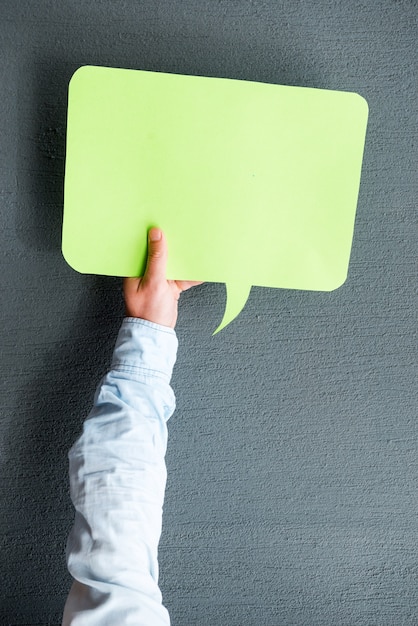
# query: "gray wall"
292 489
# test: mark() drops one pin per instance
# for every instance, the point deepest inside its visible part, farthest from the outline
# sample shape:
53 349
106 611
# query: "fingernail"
155 234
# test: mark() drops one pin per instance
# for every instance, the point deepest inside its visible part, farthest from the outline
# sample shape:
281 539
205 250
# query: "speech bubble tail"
236 297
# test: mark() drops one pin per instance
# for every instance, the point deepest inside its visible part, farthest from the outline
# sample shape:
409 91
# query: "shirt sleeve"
117 484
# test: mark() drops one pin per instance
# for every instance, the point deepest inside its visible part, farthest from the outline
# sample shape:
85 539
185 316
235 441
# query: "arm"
117 467
117 479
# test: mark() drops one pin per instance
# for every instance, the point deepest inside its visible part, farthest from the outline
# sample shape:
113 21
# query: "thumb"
157 256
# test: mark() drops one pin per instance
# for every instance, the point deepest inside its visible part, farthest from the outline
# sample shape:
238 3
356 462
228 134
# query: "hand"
153 297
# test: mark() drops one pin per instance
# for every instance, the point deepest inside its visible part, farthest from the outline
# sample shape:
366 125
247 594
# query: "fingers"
156 266
157 256
184 285
130 285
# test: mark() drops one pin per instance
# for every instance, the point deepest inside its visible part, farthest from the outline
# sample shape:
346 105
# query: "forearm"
118 475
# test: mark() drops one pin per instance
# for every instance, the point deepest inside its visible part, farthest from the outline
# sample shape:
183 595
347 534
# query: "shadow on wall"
61 378
51 409
41 156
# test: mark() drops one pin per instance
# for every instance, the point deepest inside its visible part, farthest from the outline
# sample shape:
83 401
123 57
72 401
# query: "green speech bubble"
253 183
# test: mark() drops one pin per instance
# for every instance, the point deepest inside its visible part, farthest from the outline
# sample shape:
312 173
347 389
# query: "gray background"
292 488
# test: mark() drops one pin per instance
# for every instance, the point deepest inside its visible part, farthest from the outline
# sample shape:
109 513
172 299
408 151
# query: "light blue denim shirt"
117 482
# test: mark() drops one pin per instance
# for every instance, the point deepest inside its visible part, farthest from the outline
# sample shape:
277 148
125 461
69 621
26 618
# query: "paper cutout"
253 183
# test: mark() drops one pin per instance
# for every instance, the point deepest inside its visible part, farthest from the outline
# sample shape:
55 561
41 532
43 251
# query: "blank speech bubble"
252 183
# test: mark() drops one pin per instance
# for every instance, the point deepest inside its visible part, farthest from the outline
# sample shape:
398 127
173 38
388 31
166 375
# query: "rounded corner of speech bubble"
79 74
340 284
362 102
336 282
71 259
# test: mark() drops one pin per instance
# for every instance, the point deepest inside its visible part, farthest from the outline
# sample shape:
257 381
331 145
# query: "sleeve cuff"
144 348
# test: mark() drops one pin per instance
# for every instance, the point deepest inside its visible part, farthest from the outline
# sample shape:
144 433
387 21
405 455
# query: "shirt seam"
141 322
145 372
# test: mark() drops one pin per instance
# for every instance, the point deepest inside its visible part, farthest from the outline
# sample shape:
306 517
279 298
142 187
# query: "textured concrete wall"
293 474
